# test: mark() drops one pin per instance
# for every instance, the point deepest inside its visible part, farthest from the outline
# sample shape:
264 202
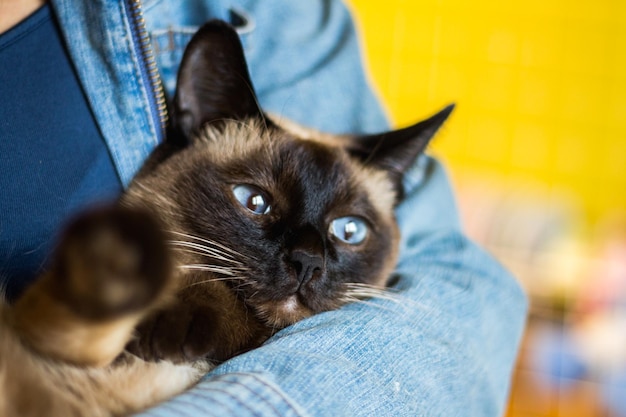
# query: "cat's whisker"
246 282
205 248
213 268
204 251
365 294
368 302
358 291
253 295
243 284
206 281
194 252
213 244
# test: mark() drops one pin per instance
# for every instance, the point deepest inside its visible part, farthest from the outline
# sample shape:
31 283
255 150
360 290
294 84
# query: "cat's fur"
228 233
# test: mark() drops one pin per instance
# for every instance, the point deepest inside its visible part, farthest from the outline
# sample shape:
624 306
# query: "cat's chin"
279 314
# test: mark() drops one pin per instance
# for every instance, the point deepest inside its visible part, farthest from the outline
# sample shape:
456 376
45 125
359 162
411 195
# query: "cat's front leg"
110 270
207 321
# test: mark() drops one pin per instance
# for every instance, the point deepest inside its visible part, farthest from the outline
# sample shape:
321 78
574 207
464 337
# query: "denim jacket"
443 345
303 59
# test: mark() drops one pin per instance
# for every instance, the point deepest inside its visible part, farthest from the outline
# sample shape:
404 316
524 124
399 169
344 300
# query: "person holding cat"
88 73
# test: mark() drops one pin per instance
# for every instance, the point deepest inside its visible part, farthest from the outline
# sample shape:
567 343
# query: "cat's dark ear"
213 81
397 150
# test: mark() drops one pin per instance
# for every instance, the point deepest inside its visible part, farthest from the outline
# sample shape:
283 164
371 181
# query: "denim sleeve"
442 344
303 57
306 66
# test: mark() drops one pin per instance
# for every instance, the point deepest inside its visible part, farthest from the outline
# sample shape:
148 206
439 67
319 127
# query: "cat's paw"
184 332
110 262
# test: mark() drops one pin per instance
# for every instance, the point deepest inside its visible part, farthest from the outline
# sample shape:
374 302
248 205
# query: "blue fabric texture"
303 56
52 156
443 345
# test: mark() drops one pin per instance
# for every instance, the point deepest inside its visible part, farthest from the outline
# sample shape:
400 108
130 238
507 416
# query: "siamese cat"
236 226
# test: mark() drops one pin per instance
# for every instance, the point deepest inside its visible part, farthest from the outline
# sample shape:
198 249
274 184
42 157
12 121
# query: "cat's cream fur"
32 385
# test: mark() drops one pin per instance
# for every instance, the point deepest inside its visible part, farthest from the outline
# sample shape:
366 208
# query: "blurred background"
536 150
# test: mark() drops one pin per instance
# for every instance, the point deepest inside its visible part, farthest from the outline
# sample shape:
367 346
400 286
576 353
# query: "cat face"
292 224
294 221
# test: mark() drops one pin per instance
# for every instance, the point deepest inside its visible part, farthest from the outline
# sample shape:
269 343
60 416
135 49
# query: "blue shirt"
53 160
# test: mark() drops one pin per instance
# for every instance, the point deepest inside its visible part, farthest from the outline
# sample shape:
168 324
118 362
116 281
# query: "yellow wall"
540 87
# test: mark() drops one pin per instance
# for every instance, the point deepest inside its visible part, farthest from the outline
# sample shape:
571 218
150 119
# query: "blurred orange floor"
531 396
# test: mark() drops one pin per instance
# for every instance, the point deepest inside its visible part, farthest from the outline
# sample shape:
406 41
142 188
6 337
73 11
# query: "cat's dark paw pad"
110 262
182 333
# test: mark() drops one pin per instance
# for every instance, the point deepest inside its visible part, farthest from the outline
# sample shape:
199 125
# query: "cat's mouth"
279 314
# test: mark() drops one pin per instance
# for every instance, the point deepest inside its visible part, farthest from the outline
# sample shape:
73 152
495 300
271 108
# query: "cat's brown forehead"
295 154
280 156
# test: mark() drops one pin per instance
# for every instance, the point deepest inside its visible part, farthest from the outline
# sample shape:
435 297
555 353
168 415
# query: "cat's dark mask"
295 221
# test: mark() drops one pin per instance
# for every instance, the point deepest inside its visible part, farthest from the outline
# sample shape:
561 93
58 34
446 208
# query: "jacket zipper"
148 68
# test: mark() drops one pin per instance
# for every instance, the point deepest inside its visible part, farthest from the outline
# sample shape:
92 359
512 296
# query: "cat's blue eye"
350 229
252 198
